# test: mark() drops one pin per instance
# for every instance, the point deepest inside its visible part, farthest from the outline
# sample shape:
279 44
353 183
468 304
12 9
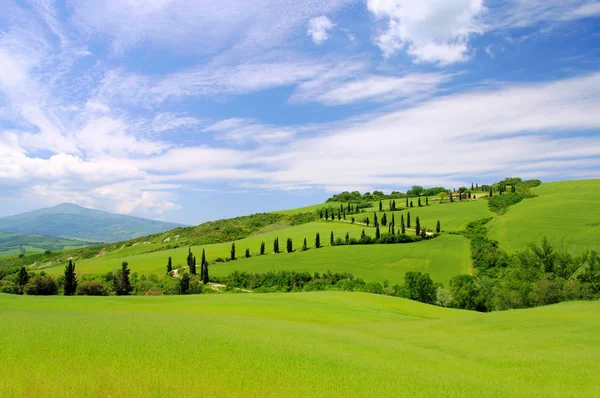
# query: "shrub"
373 287
154 291
92 288
7 287
41 285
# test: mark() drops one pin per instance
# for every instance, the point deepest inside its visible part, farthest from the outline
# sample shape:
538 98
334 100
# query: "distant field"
567 212
453 216
442 257
14 244
283 345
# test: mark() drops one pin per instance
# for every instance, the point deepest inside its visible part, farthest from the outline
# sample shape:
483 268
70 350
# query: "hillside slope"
305 344
76 222
566 212
15 244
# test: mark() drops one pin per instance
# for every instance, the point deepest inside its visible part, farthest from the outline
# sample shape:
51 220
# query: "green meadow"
567 212
304 344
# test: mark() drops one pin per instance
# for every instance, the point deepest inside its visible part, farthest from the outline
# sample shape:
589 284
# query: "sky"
194 110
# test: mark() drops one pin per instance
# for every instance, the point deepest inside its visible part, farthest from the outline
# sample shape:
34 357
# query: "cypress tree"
423 233
190 262
417 226
426 200
513 189
411 203
318 241
349 208
169 266
289 245
122 284
437 227
247 253
184 284
377 233
407 202
471 186
391 206
326 214
384 220
408 220
491 193
206 278
331 241
304 247
22 279
320 214
402 226
367 221
233 251
347 238
460 196
375 222
352 220
70 279
194 261
262 248
339 216
203 261
380 206
276 245
362 234
419 202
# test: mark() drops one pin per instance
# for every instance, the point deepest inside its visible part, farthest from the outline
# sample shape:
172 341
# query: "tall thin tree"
70 279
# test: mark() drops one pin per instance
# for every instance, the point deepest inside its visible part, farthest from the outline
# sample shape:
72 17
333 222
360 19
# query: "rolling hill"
76 222
302 344
17 244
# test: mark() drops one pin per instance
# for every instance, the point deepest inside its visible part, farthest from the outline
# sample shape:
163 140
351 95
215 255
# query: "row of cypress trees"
191 262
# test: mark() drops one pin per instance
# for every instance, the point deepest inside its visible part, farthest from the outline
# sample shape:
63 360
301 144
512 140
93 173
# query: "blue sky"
192 110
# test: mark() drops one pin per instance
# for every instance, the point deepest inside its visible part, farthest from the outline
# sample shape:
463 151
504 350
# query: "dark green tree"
423 233
339 216
331 241
362 234
317 241
419 203
406 202
411 203
347 238
384 220
247 253
426 200
417 226
169 266
438 229
320 214
262 248
408 220
233 251
377 233
22 279
471 186
304 246
367 221
402 226
420 287
70 286
289 245
326 214
190 262
513 189
491 193
122 284
276 245
184 283
380 206
375 222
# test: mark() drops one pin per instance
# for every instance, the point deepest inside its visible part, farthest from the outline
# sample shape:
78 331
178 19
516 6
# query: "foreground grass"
566 212
307 344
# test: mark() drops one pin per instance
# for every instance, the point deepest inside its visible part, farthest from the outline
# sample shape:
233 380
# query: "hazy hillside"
72 221
15 244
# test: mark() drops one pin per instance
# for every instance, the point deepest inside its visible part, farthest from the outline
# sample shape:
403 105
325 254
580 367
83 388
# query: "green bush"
41 285
92 288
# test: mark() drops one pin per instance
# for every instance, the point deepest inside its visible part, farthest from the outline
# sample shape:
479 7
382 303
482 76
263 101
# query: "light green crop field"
453 216
442 257
284 345
567 212
310 209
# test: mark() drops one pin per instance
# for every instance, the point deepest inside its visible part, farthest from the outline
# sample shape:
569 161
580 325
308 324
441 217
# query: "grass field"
306 344
442 257
453 216
567 212
13 244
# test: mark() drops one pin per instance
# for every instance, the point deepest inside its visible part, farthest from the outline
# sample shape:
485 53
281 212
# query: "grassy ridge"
567 212
11 244
308 344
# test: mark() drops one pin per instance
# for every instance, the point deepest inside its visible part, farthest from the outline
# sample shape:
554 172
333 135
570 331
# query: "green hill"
76 222
16 244
566 212
305 344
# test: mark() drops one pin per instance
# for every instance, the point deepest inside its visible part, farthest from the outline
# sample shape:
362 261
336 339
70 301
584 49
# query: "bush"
92 288
154 291
7 287
373 287
41 285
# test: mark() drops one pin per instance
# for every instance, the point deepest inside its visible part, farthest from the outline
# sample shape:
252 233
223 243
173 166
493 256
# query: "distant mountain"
76 222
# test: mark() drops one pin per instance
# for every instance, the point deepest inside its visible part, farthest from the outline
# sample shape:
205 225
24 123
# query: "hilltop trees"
417 226
70 286
169 266
122 284
233 251
191 263
317 241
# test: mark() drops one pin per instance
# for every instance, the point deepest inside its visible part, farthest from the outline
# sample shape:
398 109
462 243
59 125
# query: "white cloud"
434 31
522 13
373 88
318 29
240 131
169 121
